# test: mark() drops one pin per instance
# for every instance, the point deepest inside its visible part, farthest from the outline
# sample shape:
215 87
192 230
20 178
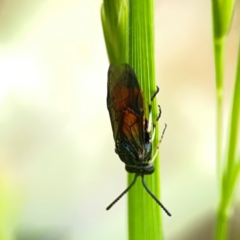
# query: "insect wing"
125 106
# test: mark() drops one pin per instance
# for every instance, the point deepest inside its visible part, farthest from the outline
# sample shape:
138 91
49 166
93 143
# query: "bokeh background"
58 169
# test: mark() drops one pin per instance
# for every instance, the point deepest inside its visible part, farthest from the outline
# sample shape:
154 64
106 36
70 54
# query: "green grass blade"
232 171
227 171
114 15
235 119
219 47
144 215
222 11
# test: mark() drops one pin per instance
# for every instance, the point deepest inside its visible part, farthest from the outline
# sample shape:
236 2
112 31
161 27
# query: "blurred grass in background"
228 161
56 144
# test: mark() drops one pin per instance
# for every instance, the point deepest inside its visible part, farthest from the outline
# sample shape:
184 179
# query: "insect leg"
155 123
154 95
154 197
158 145
149 127
124 192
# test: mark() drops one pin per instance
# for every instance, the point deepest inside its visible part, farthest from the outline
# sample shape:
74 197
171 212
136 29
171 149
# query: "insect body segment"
131 129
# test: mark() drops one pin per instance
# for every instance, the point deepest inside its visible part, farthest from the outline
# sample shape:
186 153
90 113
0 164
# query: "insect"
131 129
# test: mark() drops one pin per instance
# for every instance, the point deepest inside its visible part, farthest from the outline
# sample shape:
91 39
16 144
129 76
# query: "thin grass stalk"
144 217
231 173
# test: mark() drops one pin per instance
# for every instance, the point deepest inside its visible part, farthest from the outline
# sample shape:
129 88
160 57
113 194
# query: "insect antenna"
154 197
125 191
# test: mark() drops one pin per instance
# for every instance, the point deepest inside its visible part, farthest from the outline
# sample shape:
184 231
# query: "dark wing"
125 106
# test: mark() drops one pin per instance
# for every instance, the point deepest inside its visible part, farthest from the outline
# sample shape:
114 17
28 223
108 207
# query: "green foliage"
229 168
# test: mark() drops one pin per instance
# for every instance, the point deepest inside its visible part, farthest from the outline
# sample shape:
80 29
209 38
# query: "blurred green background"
58 169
